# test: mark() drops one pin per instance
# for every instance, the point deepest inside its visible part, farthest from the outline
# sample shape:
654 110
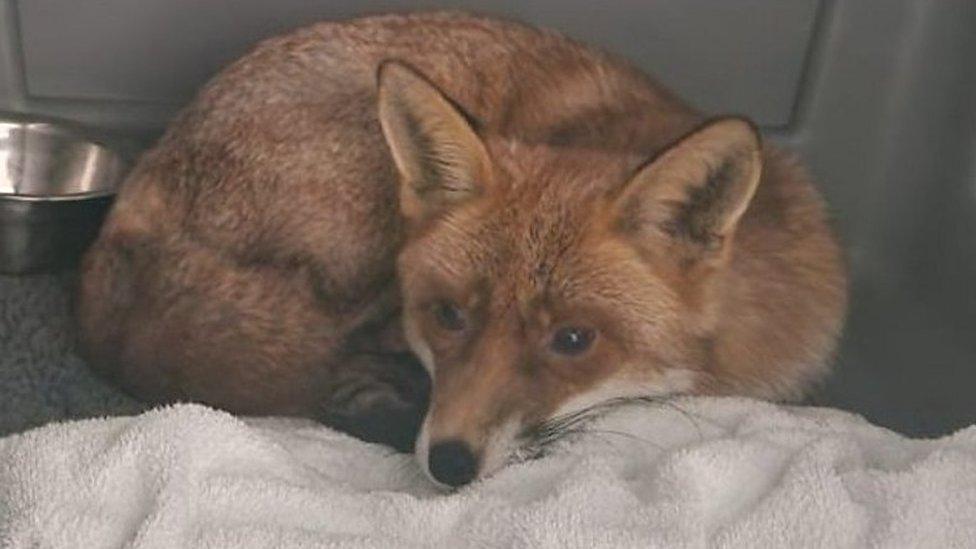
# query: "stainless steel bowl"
57 181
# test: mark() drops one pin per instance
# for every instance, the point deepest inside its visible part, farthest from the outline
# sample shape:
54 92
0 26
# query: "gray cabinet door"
744 56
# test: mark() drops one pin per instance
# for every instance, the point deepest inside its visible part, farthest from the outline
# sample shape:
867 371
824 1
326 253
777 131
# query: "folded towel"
686 473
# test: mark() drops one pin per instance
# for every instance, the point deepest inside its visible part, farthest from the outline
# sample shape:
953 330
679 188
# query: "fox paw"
380 398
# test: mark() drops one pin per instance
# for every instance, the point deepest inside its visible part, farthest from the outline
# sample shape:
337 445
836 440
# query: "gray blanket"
41 377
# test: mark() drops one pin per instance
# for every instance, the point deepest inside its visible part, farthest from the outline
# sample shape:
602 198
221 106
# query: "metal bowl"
57 181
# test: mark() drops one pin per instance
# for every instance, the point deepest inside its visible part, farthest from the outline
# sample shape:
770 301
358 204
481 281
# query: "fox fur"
381 223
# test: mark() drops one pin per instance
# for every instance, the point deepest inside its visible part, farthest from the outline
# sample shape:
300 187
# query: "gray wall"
129 63
878 95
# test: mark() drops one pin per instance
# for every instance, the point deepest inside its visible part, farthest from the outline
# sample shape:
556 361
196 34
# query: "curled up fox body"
536 224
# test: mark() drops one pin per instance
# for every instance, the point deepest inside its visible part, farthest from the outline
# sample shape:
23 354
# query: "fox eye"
572 340
449 316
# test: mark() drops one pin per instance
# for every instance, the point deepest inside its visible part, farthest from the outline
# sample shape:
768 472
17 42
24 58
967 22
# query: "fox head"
539 281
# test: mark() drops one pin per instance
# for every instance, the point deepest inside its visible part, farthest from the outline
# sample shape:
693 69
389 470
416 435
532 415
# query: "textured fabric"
696 473
41 379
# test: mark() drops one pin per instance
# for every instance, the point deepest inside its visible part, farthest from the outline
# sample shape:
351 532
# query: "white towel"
695 473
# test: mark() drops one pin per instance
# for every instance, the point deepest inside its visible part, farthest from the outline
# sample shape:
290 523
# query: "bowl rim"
74 197
79 131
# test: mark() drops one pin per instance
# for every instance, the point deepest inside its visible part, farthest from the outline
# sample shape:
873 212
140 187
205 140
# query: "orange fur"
533 181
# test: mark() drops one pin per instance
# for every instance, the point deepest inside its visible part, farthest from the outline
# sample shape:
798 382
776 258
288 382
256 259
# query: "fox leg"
378 398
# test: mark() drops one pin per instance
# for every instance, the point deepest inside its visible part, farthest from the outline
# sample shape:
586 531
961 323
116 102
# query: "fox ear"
441 159
695 192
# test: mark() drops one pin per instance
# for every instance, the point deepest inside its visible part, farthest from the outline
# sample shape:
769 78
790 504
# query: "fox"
457 235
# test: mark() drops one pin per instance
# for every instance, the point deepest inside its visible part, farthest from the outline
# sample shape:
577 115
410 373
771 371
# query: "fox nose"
452 462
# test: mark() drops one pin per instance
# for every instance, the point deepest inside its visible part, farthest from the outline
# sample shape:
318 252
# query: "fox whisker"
539 440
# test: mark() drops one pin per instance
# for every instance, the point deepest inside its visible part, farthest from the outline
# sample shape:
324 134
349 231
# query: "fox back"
552 229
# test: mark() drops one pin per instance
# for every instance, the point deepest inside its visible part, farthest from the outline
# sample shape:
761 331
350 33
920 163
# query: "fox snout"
474 418
454 458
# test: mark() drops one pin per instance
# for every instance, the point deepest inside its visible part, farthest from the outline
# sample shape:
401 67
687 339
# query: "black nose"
452 463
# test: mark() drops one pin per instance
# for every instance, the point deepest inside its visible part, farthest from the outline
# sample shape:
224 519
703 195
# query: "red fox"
541 225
